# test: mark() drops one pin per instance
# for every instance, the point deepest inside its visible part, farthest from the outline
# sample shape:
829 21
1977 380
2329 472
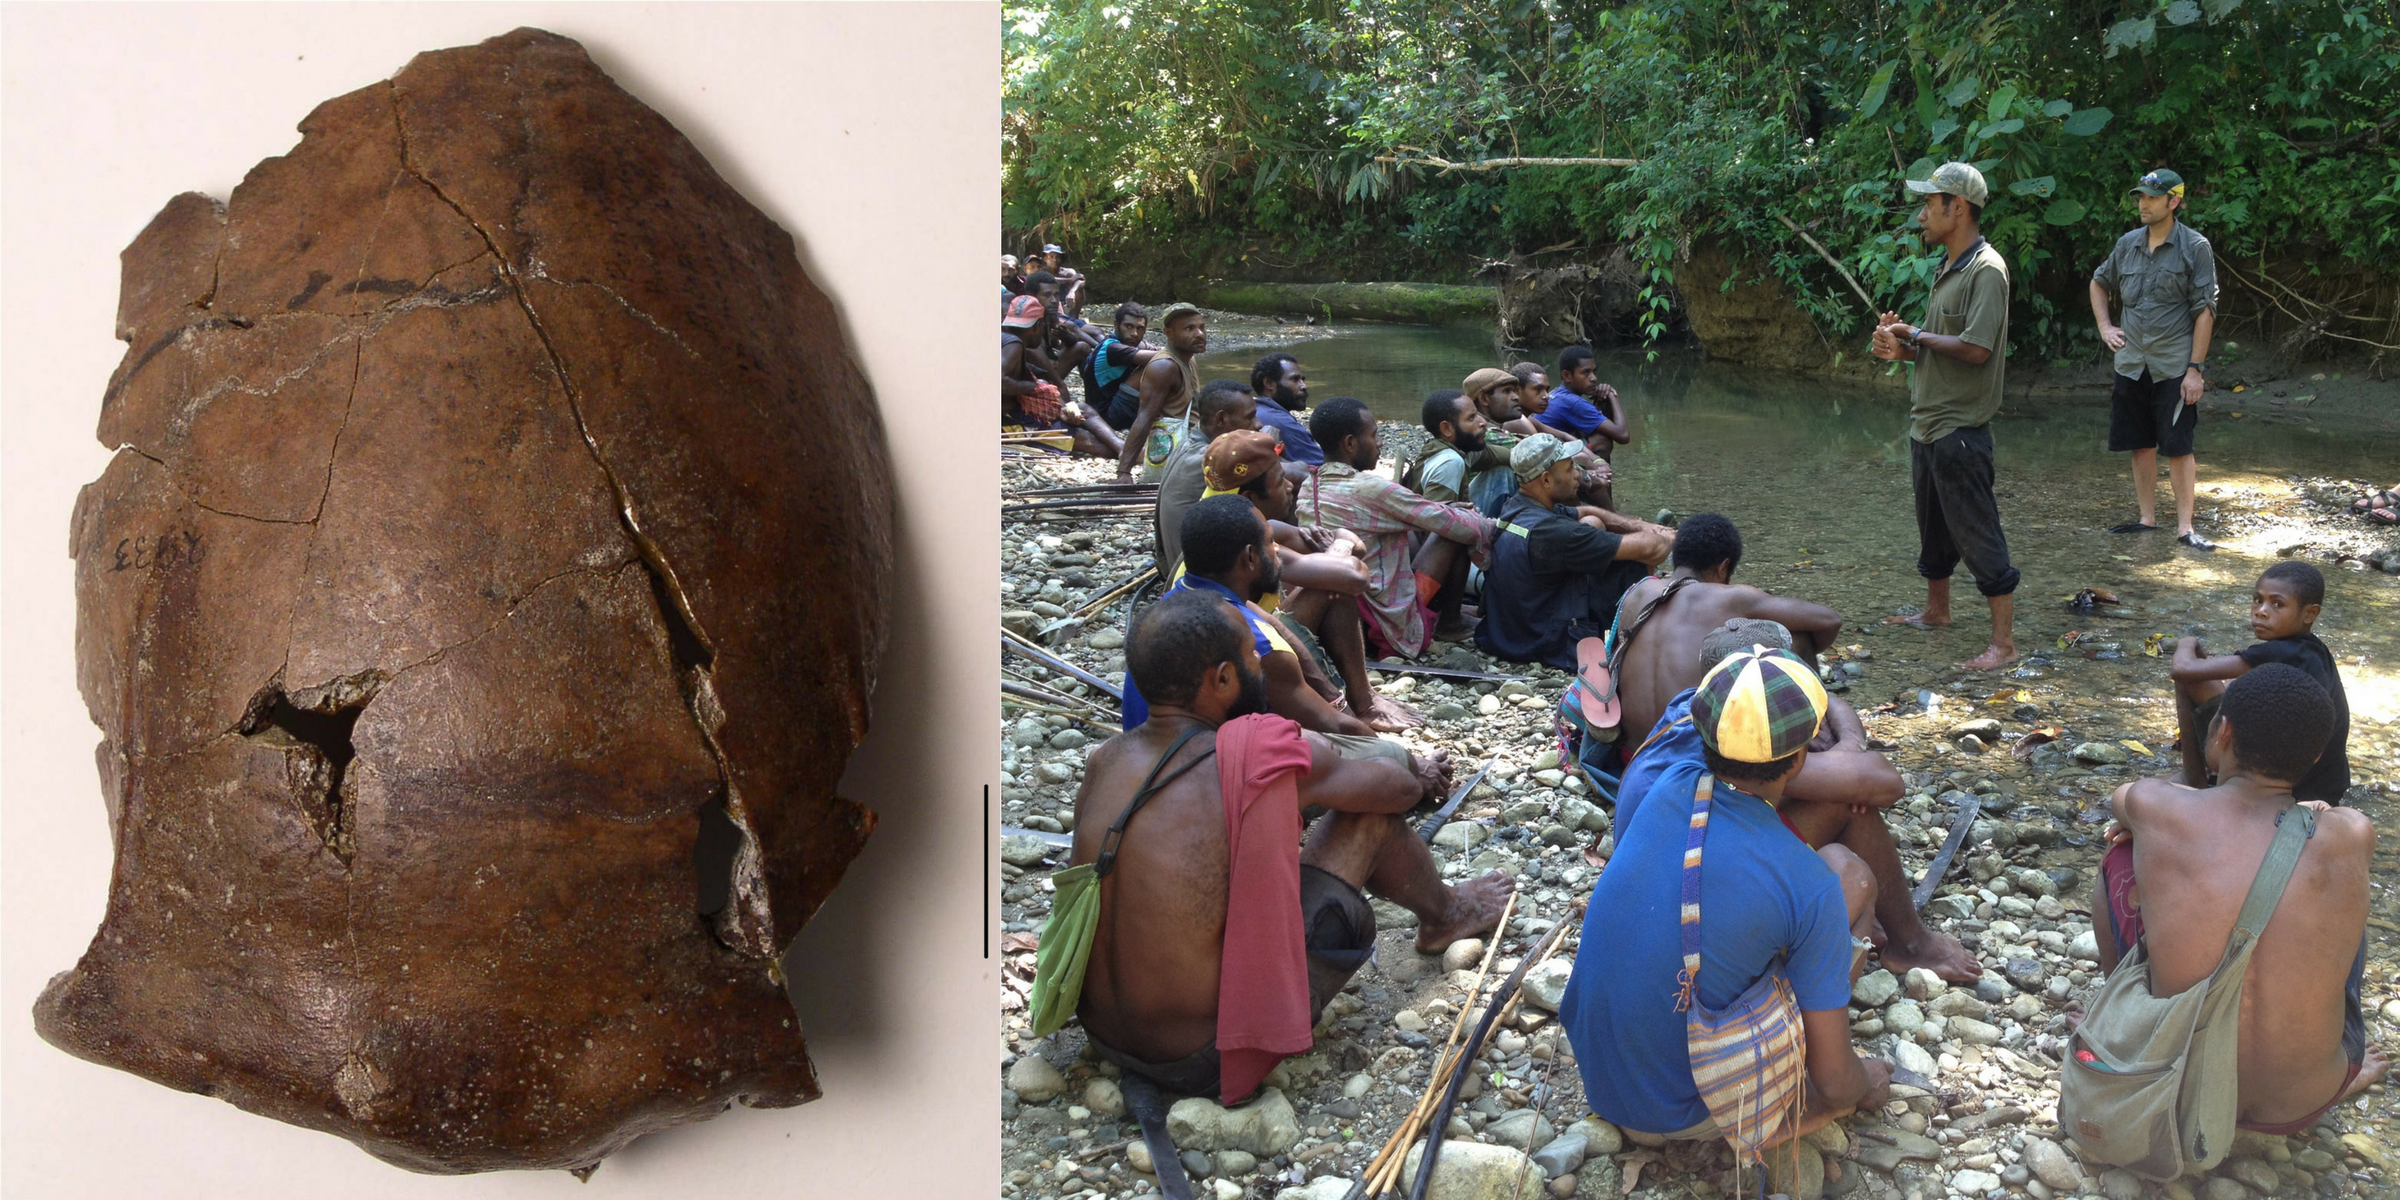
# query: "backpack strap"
1618 642
1690 975
1151 786
2266 891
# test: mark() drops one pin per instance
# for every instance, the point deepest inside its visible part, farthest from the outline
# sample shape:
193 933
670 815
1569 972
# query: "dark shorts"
2146 413
1340 928
1958 519
2125 922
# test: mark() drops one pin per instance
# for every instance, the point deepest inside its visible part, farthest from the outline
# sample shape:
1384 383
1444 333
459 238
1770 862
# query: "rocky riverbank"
2019 897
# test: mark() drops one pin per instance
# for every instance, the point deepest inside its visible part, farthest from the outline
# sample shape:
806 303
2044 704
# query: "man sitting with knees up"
1223 930
1558 568
1707 895
1838 798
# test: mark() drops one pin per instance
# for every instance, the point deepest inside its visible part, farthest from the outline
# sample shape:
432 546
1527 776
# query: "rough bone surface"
495 507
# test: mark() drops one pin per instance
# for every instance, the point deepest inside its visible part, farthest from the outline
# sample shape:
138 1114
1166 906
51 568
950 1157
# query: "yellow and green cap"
1759 706
2161 182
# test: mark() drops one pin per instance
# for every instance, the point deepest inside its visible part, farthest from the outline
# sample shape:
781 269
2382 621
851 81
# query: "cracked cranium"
496 522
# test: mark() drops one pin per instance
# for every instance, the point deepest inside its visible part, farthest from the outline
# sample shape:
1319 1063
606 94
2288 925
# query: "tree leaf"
1941 131
2218 10
1961 92
1922 168
2011 125
2129 35
2040 185
2000 101
1879 89
2087 121
2182 12
2058 108
2063 212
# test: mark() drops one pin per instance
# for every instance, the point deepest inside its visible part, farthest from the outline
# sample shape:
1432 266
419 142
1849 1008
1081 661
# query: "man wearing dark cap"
1961 352
1558 569
2165 279
1029 384
1755 900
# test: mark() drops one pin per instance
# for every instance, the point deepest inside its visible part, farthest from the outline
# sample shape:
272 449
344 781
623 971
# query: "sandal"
2368 502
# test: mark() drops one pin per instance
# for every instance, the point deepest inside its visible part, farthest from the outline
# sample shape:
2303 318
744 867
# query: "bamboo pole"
1386 1166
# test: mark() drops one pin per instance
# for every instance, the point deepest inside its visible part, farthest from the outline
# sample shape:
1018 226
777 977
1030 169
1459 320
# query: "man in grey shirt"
2165 278
1224 406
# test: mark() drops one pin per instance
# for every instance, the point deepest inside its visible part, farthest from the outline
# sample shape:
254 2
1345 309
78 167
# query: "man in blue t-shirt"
1767 902
1838 796
1584 406
1282 392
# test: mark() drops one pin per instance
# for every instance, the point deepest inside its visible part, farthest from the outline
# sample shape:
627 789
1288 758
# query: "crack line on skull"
695 652
627 305
203 505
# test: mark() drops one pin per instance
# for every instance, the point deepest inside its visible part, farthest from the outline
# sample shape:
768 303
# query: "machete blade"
1441 816
1968 810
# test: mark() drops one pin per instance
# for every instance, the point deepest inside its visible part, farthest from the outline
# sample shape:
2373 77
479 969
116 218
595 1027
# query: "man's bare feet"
2371 1069
1993 658
1475 908
1386 715
1922 620
1936 952
1454 631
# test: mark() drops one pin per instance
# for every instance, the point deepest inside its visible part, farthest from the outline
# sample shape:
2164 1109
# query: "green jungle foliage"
1300 128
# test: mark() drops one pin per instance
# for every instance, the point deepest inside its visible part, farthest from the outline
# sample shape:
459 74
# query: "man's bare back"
1664 658
1150 987
2195 854
1163 905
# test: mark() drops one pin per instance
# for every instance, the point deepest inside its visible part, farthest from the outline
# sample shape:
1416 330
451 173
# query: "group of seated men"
1749 822
1376 567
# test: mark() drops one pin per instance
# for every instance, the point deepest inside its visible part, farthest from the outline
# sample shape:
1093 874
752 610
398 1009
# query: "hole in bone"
712 856
329 732
322 720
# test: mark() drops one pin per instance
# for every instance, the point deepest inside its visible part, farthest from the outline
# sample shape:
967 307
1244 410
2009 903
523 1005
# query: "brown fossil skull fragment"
496 519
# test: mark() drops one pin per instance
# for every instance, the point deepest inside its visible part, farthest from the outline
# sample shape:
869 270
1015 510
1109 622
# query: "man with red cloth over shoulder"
1224 927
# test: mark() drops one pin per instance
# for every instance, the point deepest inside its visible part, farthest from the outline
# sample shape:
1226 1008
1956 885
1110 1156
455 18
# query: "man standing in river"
2165 278
1961 353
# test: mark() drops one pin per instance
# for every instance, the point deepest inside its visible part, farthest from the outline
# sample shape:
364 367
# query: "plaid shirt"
1338 496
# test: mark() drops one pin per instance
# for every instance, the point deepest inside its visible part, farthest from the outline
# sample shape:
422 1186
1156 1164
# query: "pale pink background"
871 133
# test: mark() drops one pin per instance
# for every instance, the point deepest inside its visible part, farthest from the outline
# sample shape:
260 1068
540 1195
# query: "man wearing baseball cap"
1961 353
1558 568
1029 384
2165 279
1167 387
1766 903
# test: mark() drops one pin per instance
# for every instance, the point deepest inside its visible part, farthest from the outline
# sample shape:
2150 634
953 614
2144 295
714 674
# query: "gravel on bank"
2019 897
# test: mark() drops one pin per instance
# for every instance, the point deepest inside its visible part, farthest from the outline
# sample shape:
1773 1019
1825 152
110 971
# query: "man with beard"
1168 385
1115 362
1501 396
1222 929
1403 581
1459 448
1323 573
1282 393
1030 396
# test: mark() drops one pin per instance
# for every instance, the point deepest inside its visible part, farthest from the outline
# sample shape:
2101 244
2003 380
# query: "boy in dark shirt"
2283 609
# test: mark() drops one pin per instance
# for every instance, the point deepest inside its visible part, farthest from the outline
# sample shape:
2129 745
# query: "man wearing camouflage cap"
2165 279
1763 901
1961 353
1558 568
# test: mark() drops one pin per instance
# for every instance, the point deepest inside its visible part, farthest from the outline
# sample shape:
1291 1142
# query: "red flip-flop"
1591 671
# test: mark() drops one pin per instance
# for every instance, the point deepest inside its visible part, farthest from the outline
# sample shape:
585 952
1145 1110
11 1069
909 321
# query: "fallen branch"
1830 261
1492 164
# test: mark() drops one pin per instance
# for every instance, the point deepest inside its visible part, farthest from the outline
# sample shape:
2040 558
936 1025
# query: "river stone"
1023 850
1546 985
1104 1097
1463 954
2027 973
1520 1129
1034 1080
1600 1137
1563 1154
1957 1004
1461 836
1475 1171
1904 1018
1974 1032
2101 752
2053 1166
2255 1173
2117 1183
1874 989
1796 1169
1324 1187
495 520
1236 1162
2222 1188
1914 1058
1974 1183
1265 1127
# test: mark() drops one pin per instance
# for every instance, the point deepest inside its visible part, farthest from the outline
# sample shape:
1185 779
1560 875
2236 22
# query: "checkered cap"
1759 706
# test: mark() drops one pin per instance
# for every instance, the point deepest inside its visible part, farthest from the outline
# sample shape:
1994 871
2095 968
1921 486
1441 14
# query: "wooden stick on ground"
1117 593
1386 1165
